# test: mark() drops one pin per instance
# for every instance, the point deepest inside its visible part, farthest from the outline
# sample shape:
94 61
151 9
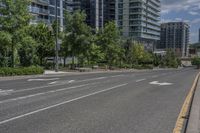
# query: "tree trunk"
64 61
13 57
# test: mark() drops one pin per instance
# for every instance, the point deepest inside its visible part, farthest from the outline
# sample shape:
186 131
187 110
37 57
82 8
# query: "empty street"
113 102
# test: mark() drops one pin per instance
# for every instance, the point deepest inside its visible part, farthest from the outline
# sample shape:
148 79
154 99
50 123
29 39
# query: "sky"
183 10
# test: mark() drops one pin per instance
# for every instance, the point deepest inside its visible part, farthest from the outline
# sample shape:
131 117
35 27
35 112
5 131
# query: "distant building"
139 20
175 35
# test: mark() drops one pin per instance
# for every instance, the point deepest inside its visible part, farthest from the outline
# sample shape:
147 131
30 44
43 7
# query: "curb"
183 116
194 120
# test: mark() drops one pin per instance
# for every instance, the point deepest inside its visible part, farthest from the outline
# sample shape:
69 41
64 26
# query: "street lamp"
56 35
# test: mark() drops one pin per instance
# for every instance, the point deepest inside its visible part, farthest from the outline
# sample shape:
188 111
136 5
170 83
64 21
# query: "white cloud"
180 5
193 13
195 21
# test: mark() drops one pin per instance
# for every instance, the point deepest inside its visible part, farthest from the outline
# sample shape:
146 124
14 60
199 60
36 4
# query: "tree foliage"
196 61
14 17
43 35
109 40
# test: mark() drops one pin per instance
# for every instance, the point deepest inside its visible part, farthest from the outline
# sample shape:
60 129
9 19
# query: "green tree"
93 52
14 16
138 53
109 40
171 59
42 34
196 61
76 36
27 51
5 43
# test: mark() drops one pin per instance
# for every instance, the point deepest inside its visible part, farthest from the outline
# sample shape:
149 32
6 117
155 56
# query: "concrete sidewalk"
194 119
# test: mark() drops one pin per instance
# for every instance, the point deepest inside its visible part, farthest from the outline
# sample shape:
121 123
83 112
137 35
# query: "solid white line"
59 104
43 93
139 80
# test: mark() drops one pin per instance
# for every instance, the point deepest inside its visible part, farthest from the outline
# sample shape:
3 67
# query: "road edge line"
185 107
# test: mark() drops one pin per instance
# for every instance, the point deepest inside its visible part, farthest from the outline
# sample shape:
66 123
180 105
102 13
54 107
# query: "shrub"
196 61
6 71
143 66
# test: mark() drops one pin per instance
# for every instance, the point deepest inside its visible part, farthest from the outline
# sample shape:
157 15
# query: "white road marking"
43 79
5 92
92 79
139 80
59 104
71 81
160 84
53 85
65 82
117 76
44 93
53 82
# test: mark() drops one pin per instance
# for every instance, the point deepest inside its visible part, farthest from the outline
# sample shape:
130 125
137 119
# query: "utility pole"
56 35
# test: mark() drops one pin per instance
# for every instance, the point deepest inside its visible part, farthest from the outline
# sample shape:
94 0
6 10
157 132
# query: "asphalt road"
123 102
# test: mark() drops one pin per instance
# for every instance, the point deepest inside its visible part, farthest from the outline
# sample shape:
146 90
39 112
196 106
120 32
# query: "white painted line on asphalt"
139 80
44 93
117 76
43 79
59 104
92 79
65 82
5 92
71 81
160 84
53 85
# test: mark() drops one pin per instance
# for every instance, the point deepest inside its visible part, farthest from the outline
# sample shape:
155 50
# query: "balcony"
41 2
38 10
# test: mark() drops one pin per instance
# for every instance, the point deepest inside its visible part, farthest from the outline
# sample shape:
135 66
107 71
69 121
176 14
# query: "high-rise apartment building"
44 10
175 35
98 12
40 11
139 20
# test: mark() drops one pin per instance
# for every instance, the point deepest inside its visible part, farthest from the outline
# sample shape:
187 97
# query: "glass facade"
139 19
45 10
175 35
40 11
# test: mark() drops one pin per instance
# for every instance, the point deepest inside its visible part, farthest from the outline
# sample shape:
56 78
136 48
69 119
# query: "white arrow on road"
42 79
160 84
61 82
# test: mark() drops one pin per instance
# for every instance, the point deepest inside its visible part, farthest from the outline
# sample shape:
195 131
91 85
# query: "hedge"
6 71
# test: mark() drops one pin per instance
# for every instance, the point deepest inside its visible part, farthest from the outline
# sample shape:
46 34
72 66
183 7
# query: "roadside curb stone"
194 120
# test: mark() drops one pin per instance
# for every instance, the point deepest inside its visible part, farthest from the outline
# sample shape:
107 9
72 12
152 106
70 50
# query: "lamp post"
56 36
